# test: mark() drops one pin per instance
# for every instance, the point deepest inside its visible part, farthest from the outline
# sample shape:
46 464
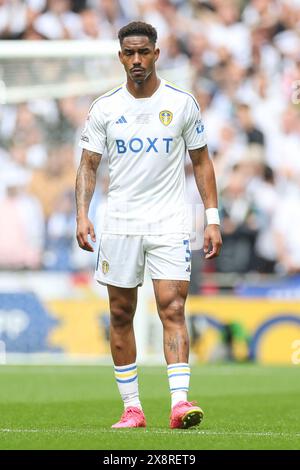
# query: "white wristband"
212 216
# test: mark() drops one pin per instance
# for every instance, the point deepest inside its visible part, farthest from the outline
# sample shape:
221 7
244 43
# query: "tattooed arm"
204 176
206 183
85 186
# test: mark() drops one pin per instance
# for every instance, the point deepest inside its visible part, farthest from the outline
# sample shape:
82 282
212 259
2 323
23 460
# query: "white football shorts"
121 258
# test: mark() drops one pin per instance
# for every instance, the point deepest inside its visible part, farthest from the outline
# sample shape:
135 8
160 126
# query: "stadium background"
243 63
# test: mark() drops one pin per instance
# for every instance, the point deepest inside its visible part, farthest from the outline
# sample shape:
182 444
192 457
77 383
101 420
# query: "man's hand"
85 228
213 239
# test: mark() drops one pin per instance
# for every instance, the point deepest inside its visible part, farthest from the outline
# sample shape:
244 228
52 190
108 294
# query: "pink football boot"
132 417
185 414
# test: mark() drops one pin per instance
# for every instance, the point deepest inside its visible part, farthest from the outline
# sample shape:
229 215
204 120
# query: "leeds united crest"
165 117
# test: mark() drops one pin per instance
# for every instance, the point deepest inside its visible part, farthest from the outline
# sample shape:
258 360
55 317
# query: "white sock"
127 381
179 380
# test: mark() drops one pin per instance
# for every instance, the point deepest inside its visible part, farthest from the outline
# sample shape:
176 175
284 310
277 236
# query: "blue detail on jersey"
152 144
97 263
137 145
110 94
135 150
167 140
185 93
187 251
200 129
121 120
121 146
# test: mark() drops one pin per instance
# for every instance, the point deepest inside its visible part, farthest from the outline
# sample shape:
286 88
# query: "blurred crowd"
245 60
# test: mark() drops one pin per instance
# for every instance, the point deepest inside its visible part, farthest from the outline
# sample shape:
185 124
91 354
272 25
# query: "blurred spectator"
58 21
21 225
16 17
228 150
25 122
266 199
112 16
58 175
172 54
226 31
91 25
239 225
60 234
286 226
286 153
247 125
267 104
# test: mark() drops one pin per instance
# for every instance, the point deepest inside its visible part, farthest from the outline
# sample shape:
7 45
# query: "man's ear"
156 52
120 57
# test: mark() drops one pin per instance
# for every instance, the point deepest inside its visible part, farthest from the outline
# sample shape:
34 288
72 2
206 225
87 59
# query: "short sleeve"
193 131
93 136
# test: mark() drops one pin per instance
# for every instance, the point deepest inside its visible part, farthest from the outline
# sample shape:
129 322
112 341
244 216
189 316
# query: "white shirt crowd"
245 57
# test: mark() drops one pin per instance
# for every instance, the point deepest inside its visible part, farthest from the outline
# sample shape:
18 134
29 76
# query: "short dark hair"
138 28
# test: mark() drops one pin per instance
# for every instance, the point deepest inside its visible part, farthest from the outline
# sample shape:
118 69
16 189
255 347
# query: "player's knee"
121 315
173 312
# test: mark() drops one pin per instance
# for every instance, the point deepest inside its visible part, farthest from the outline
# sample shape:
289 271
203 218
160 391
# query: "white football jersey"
146 141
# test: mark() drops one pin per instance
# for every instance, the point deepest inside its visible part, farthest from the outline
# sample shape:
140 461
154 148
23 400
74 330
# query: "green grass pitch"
73 407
